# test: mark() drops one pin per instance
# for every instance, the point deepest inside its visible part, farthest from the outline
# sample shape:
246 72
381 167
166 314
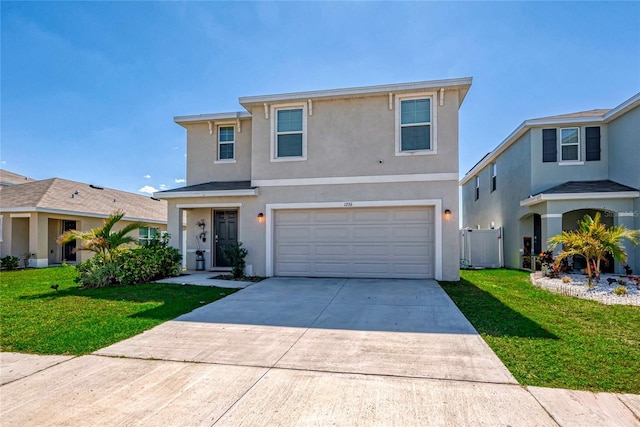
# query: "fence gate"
481 248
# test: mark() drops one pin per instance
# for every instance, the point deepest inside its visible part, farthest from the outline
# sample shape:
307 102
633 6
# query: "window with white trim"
226 142
477 187
289 132
415 124
494 177
147 234
570 144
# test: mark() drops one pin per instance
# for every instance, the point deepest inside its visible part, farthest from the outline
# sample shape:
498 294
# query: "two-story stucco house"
551 171
334 183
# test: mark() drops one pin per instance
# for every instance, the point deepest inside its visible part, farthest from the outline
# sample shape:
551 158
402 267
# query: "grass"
37 319
551 340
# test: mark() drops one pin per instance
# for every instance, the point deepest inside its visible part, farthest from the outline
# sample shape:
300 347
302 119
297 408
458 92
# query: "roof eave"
539 198
462 84
200 194
203 118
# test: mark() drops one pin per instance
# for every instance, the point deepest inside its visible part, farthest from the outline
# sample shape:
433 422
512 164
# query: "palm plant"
594 241
102 240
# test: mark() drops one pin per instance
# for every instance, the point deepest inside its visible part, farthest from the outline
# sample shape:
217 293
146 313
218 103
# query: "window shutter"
592 136
549 145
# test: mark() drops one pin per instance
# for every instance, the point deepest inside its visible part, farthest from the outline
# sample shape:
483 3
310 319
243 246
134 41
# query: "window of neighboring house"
147 234
226 142
477 187
549 145
414 130
592 142
289 136
494 174
570 144
1 230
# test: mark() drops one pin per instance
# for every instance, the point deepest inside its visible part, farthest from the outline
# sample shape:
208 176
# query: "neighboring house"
552 171
336 183
34 213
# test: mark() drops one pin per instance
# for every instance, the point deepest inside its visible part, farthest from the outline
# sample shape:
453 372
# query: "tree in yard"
594 241
102 240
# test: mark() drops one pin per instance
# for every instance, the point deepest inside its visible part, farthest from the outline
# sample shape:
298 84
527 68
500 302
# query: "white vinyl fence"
481 248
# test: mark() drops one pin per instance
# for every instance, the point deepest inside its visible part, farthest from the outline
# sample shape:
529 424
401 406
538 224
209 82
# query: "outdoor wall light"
447 214
260 218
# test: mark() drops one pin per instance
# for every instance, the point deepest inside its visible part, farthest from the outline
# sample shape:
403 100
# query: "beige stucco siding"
202 154
253 234
349 137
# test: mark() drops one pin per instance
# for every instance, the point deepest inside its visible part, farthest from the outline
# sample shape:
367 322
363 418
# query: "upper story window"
494 175
570 143
289 135
477 187
226 143
147 234
415 130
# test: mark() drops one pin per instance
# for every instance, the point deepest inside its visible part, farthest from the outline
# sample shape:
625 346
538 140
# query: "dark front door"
69 249
537 234
225 233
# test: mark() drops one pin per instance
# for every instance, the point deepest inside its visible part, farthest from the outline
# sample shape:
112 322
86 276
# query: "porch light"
260 218
447 214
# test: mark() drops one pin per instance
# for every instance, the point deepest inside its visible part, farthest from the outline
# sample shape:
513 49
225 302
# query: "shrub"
235 256
9 262
620 290
131 266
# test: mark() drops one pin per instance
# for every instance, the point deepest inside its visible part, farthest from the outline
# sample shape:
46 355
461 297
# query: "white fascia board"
212 117
463 83
78 213
627 105
207 205
530 201
372 179
220 193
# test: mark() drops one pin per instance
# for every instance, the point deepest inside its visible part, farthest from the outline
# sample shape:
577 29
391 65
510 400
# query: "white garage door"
355 242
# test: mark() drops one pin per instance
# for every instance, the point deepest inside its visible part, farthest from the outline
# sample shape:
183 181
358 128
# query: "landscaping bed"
610 289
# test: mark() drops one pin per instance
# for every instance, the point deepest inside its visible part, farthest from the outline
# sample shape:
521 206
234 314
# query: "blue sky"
90 89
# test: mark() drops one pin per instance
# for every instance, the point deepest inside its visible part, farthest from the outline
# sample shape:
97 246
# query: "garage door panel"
369 250
286 234
370 216
420 216
332 267
327 250
294 250
369 232
331 216
355 242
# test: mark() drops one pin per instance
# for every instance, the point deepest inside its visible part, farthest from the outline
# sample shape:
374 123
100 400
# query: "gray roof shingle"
65 195
213 186
602 186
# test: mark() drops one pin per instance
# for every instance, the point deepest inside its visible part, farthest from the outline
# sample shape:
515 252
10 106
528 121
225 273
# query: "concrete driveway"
289 352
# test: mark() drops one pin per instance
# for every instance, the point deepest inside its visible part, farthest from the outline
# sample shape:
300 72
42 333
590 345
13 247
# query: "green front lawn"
551 340
37 319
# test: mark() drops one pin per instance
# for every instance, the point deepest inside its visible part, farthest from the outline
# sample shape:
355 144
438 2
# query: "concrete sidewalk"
300 352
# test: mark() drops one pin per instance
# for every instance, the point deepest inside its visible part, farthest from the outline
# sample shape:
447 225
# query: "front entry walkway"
290 352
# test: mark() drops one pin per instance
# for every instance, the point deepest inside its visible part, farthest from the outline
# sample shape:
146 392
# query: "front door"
537 234
69 249
225 230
